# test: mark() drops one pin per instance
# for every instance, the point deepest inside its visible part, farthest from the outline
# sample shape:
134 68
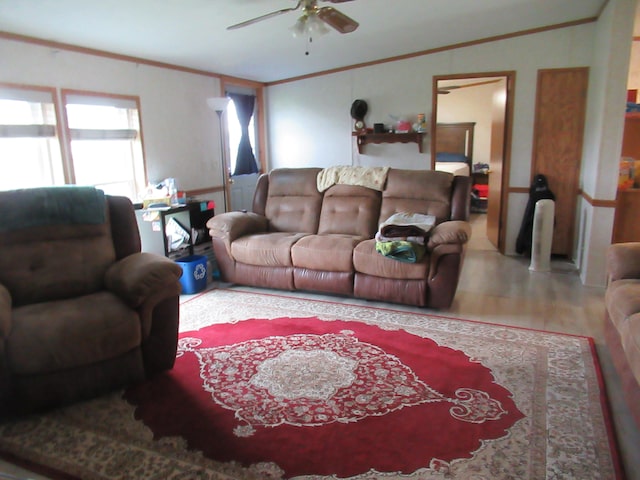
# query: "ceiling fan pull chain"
309 41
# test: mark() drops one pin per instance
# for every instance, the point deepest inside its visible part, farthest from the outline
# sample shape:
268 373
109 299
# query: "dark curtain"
246 161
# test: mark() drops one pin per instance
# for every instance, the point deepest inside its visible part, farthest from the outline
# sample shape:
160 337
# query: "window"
103 132
30 154
106 145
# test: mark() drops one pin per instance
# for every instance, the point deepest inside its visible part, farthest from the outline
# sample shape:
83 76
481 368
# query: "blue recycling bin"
194 273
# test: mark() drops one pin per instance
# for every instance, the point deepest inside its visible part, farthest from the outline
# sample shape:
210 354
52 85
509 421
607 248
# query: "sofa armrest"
454 232
623 261
5 312
142 276
232 225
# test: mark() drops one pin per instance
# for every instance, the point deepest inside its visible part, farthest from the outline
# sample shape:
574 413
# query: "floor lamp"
219 104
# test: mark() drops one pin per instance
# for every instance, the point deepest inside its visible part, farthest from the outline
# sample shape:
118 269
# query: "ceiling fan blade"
337 20
455 87
486 82
264 17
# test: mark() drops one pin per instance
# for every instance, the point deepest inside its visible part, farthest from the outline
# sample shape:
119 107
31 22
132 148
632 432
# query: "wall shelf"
411 137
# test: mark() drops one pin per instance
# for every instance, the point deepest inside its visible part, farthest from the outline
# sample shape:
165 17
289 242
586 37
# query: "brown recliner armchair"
82 310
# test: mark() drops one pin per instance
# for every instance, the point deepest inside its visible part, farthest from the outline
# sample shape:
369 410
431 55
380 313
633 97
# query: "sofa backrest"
290 199
293 201
417 191
58 259
350 210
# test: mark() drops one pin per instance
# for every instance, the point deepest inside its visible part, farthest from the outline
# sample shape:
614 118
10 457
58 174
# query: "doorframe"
510 77
259 117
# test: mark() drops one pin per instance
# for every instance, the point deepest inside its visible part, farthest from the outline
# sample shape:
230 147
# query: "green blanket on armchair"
68 205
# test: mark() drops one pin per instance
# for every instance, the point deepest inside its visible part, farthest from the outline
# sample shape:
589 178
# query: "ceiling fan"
312 20
447 89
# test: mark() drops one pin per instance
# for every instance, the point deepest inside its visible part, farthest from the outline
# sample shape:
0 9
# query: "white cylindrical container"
542 236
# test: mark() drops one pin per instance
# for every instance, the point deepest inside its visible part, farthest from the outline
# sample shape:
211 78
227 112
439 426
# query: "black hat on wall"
359 109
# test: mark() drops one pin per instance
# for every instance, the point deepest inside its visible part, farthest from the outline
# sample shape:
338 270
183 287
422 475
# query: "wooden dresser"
626 227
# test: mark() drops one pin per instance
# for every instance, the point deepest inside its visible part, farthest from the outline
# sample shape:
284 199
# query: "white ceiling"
192 33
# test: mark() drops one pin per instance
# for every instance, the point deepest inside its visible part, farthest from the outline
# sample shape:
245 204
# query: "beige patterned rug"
552 382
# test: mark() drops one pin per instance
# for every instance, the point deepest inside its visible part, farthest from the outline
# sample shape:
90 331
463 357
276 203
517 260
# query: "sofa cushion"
350 210
622 299
54 228
293 201
418 191
265 249
59 335
367 260
35 266
330 253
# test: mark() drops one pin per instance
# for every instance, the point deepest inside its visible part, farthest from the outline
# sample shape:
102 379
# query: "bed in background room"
454 147
454 154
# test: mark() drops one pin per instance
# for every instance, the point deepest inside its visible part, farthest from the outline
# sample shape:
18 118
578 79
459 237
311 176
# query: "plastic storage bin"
194 273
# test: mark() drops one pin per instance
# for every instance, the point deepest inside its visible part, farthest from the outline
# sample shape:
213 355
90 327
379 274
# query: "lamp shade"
219 104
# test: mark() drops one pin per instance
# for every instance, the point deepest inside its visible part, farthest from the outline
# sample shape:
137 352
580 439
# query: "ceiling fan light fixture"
314 20
309 25
299 27
315 26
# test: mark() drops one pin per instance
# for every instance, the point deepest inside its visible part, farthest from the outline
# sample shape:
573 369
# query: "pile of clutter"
403 236
163 194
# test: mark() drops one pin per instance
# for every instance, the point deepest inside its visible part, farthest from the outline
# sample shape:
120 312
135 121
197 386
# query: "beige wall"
603 136
180 131
309 123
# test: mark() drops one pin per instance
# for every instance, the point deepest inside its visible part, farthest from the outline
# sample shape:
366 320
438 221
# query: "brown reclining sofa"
300 238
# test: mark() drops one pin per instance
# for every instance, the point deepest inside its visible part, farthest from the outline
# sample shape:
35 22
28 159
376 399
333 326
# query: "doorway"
241 186
244 153
484 100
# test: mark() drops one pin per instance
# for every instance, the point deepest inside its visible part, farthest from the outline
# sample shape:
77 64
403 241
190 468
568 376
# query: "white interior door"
241 191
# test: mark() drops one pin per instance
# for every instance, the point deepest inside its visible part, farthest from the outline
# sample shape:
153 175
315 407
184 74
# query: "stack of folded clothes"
403 236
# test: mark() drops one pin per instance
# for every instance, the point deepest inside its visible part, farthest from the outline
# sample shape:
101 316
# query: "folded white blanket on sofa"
405 224
370 177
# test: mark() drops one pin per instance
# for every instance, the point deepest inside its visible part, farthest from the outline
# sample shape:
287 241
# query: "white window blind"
30 154
106 146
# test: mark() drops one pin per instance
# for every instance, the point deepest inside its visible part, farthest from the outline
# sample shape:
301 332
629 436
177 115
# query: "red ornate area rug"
270 387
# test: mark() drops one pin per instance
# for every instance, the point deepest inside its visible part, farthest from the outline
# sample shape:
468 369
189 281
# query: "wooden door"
631 136
557 145
494 212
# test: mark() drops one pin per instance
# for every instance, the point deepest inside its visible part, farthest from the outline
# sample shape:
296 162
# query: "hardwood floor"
501 289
